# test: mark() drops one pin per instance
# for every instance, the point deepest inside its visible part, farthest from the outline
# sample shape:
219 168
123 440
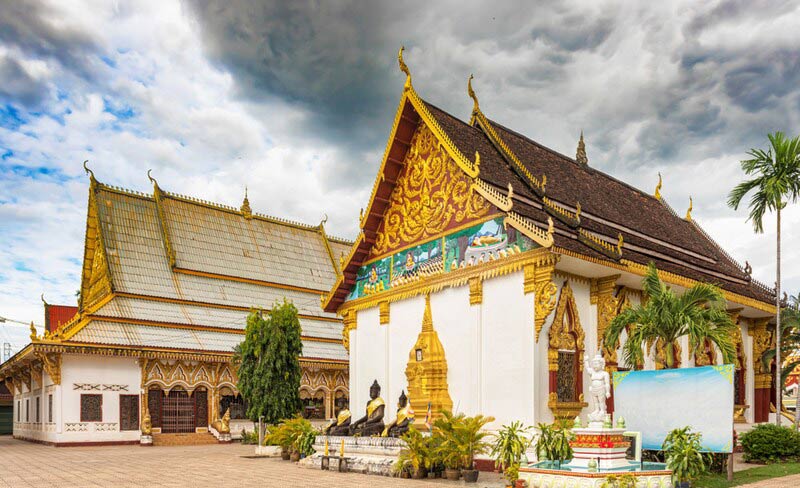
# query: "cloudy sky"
296 100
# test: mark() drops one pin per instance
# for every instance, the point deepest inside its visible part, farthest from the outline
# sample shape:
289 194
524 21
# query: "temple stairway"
189 439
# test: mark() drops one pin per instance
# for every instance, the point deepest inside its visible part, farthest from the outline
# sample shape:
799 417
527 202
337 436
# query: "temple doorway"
182 412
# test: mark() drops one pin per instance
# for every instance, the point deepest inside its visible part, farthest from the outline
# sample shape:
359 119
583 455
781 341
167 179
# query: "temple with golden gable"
488 266
167 284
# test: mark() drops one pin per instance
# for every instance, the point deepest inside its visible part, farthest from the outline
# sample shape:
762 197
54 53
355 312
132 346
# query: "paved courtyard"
25 464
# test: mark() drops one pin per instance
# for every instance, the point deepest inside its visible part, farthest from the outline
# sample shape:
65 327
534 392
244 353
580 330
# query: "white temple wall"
371 353
508 352
83 375
405 323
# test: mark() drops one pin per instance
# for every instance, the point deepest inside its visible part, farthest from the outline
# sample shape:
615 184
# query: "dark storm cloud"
18 86
35 30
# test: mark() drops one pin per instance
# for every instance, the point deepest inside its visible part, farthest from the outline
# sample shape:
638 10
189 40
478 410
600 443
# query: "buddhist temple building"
166 287
517 257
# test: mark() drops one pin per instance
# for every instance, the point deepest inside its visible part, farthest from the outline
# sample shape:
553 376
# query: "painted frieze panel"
480 243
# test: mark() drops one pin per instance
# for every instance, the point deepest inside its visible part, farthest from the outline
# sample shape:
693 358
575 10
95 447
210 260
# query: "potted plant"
471 442
552 443
626 480
683 451
279 436
510 444
414 456
300 435
447 447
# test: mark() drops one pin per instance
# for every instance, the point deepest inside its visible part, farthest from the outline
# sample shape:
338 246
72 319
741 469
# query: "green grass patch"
746 476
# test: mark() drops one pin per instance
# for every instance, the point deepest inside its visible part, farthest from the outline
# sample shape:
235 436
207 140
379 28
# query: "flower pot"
452 474
521 484
470 475
683 484
405 474
294 456
285 454
419 473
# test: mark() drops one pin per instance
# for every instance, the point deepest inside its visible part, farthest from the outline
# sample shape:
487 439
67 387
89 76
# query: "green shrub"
768 443
249 437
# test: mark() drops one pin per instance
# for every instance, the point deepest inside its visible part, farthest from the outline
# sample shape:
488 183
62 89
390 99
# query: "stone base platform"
547 478
368 455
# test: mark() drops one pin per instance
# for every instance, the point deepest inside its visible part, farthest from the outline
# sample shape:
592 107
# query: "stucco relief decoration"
432 194
187 374
567 336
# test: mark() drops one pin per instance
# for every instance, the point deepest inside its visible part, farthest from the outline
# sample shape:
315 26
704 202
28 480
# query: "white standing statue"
599 387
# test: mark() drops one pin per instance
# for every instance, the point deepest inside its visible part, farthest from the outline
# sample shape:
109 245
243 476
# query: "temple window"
237 405
91 408
129 412
565 357
50 408
38 410
27 410
313 404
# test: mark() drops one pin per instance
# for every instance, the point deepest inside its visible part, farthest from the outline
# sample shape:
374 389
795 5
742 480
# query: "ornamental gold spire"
689 210
657 193
427 319
34 337
404 67
245 208
580 154
471 93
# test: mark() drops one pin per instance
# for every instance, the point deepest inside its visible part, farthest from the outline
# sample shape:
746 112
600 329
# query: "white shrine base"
546 478
368 455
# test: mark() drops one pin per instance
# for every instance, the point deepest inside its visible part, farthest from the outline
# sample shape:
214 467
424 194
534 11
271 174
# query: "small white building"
168 282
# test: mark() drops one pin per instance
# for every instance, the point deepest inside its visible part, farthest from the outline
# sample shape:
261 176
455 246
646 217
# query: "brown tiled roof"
651 230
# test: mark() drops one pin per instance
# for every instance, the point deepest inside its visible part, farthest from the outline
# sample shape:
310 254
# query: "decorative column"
538 279
762 340
602 295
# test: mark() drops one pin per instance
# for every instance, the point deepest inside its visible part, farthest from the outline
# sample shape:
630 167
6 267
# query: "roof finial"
324 220
689 210
427 319
403 67
245 208
150 177
471 93
43 300
657 194
88 171
580 154
33 332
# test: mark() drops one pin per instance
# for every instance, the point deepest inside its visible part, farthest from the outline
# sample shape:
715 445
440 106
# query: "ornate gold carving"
187 374
350 323
52 365
661 355
384 312
427 369
471 93
404 67
565 411
762 340
431 194
572 219
738 414
538 278
566 332
607 309
580 154
601 245
475 291
707 356
147 424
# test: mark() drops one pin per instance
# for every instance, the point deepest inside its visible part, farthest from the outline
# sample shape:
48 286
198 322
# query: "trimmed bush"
768 443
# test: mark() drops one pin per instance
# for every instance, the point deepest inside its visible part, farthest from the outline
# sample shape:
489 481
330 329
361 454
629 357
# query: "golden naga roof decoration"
34 337
162 220
689 210
580 154
601 245
247 212
537 235
494 196
572 219
88 171
404 67
471 93
657 193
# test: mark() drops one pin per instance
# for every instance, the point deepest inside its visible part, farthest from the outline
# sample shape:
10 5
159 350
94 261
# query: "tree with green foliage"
269 365
666 316
775 180
790 346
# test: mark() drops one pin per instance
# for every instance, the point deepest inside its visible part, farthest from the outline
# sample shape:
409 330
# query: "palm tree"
790 345
665 317
775 182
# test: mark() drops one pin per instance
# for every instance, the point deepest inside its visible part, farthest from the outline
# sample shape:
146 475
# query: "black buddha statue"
405 417
340 425
371 423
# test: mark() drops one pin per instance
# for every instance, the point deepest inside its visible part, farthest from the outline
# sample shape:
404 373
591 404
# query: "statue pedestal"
607 446
369 455
146 440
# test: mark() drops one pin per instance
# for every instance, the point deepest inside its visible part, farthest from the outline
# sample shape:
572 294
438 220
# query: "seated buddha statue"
340 425
371 423
405 416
